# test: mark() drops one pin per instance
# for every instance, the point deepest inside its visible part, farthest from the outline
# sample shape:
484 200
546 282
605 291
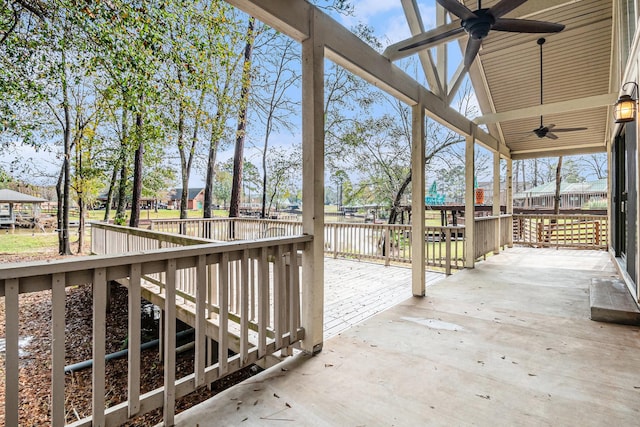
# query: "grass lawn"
26 242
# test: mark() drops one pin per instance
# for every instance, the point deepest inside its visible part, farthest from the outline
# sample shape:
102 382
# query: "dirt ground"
35 375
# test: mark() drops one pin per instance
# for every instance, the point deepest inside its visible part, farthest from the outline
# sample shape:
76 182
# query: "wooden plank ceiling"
576 65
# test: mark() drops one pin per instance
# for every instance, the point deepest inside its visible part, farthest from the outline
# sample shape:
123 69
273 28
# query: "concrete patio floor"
508 343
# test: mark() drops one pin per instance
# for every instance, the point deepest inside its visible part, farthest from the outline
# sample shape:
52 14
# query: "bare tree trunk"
556 199
65 247
112 184
59 193
211 173
122 188
137 173
395 207
238 158
81 227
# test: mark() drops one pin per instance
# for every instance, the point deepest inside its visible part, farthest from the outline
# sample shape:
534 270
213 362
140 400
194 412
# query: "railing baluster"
170 344
263 302
201 302
244 306
12 373
134 341
58 297
99 337
278 284
223 315
294 291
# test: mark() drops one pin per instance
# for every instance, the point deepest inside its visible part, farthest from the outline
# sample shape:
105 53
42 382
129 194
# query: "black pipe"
122 353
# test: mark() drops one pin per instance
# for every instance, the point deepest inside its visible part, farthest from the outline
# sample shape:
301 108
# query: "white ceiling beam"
557 107
416 26
456 81
394 52
292 21
558 151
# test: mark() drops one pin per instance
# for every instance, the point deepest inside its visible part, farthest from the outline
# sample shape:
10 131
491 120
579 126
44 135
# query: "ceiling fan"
479 22
548 131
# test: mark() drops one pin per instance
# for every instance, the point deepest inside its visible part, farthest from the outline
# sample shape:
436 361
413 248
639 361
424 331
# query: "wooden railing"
228 229
245 289
392 243
382 242
576 231
485 231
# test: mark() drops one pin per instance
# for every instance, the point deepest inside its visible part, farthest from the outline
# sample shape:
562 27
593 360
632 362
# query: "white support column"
313 188
509 201
469 201
496 199
417 200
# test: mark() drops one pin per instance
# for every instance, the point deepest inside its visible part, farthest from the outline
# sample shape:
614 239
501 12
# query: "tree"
556 198
238 157
280 73
200 50
223 84
594 164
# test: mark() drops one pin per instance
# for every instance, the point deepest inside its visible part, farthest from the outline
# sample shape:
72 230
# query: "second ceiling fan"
549 130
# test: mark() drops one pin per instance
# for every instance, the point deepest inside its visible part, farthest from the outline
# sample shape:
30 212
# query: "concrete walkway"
509 343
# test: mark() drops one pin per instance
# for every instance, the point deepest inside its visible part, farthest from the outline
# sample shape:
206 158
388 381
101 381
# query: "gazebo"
8 198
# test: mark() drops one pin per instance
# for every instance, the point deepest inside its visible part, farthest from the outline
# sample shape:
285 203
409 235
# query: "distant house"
195 198
577 195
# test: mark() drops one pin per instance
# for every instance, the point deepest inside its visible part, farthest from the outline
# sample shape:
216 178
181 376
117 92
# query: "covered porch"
507 343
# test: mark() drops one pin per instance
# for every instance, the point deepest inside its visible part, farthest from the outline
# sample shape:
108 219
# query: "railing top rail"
487 218
220 219
560 215
40 268
152 234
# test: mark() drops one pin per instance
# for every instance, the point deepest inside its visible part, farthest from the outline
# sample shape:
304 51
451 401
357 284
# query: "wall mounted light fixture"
626 107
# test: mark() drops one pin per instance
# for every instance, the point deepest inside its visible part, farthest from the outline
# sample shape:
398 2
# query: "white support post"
496 199
469 201
313 188
417 200
509 201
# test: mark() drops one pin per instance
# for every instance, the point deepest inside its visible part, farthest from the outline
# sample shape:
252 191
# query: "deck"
507 343
356 290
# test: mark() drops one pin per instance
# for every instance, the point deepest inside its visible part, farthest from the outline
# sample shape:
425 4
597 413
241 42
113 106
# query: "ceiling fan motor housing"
541 132
479 27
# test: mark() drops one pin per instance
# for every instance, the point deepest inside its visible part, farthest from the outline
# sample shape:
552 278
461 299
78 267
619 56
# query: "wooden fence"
245 290
575 231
